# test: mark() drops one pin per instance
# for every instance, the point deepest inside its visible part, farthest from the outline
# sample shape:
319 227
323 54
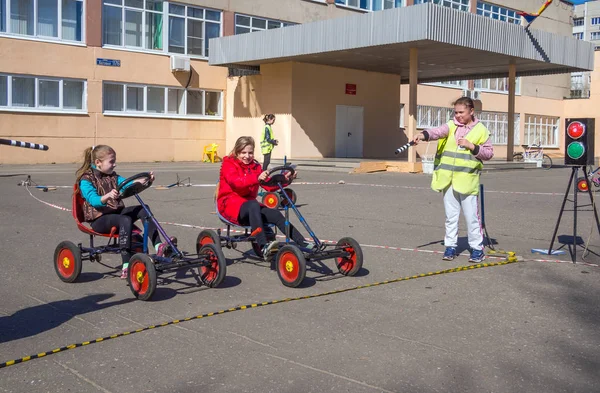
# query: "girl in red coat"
238 188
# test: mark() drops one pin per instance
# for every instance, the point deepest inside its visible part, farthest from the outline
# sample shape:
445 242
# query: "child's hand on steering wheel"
263 176
112 194
145 180
288 173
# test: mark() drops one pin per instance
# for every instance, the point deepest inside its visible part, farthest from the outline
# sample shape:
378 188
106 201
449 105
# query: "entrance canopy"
452 45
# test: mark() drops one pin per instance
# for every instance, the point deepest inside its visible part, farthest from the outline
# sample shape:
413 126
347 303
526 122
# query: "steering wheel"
136 187
279 178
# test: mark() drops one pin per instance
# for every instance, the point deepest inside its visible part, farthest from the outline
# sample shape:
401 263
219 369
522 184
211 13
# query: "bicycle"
534 153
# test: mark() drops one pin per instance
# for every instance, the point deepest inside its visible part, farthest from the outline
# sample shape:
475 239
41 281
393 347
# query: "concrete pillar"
412 104
512 75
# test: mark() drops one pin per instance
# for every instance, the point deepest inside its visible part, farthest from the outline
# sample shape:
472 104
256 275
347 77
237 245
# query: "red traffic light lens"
575 130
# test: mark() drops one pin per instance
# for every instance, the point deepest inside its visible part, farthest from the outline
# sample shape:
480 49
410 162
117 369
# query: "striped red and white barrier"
334 242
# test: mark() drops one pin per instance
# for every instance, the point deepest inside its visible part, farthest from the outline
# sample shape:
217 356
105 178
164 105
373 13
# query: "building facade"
134 74
586 26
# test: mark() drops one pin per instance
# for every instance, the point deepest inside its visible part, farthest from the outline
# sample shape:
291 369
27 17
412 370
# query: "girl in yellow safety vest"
267 140
463 143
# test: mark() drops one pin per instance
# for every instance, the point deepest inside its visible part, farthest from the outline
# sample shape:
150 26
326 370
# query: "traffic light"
579 142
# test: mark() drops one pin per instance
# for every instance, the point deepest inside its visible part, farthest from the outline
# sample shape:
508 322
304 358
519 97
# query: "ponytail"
268 117
87 164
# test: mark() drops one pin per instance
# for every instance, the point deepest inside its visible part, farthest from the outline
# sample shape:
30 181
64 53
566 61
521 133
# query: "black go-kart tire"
291 265
350 265
214 272
291 193
271 200
207 236
141 276
67 261
582 185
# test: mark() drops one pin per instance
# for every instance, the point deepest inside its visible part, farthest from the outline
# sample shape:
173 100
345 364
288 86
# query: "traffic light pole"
573 180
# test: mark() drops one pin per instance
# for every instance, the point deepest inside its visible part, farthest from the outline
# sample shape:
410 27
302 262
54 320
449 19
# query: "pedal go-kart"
290 259
143 266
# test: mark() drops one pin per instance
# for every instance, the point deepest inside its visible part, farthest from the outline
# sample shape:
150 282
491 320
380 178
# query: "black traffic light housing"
579 141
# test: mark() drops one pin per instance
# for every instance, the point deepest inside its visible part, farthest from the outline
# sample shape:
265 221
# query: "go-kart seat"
80 219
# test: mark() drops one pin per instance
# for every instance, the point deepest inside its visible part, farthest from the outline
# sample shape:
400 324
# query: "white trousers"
453 202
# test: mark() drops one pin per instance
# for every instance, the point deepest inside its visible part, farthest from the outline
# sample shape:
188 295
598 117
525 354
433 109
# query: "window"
499 13
248 24
23 92
190 28
48 19
433 116
160 101
595 35
541 129
156 100
497 85
578 21
371 5
134 24
3 90
462 5
580 85
158 25
461 84
41 94
135 98
48 93
576 81
596 21
579 36
497 124
3 15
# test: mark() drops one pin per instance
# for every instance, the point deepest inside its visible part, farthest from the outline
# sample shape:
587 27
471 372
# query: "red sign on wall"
350 89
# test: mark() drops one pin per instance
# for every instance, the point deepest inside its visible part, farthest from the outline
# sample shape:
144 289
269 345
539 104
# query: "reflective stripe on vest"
265 146
456 166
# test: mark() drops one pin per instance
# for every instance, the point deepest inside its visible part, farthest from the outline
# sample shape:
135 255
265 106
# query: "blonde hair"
90 155
241 144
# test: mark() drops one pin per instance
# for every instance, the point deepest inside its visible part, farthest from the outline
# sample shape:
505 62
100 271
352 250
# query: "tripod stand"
573 180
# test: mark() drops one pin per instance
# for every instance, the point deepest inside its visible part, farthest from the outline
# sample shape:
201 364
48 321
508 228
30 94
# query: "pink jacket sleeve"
438 132
486 151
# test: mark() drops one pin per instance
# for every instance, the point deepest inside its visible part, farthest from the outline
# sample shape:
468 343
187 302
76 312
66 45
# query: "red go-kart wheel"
207 236
291 194
291 265
67 261
582 184
214 267
351 264
271 200
142 276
